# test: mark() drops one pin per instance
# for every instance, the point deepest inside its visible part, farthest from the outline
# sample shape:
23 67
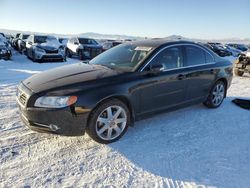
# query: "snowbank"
191 147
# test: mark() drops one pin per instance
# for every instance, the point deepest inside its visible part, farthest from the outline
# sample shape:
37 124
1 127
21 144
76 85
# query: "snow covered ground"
191 147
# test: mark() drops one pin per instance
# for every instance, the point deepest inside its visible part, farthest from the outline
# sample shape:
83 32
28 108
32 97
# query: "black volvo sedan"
124 84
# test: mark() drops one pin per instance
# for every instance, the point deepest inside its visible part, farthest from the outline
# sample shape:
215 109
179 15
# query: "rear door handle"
181 77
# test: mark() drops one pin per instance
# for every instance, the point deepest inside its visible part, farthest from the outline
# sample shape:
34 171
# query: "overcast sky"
208 19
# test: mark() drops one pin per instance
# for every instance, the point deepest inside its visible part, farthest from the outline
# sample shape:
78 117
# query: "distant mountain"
88 34
123 37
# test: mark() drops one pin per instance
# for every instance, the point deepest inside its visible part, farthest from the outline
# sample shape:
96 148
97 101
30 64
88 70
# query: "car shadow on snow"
195 144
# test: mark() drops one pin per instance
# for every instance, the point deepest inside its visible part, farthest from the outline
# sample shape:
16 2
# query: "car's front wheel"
80 54
68 54
109 121
216 95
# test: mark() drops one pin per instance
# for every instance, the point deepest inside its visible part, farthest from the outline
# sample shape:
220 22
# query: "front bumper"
6 55
61 121
49 57
66 121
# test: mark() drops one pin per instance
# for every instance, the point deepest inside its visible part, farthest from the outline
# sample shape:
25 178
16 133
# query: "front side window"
170 58
125 57
194 56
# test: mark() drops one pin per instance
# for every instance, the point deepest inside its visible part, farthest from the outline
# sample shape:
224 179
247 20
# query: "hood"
3 45
66 76
50 45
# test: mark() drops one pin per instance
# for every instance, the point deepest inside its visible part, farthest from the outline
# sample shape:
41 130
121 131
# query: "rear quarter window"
209 58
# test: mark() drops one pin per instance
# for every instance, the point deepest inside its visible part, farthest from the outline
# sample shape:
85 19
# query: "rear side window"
194 56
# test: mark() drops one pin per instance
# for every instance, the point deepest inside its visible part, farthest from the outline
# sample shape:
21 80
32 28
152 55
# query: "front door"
168 88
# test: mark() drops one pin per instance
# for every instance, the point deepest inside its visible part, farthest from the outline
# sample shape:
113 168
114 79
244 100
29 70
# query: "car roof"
155 43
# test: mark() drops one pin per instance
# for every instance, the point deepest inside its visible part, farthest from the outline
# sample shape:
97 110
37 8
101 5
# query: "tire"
80 54
104 126
237 72
68 54
33 57
216 95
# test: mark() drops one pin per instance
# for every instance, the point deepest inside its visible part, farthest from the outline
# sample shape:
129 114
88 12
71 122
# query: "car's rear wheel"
109 121
237 72
216 95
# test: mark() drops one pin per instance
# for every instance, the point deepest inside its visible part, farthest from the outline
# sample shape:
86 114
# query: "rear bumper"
56 121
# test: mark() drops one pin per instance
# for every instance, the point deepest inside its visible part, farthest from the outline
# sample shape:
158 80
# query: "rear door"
200 72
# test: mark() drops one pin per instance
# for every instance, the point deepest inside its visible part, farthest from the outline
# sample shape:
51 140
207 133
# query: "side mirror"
76 43
30 43
157 68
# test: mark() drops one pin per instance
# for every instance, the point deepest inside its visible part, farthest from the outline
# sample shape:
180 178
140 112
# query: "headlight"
40 50
3 51
55 101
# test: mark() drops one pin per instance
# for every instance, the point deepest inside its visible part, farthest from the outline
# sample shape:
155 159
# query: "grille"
51 51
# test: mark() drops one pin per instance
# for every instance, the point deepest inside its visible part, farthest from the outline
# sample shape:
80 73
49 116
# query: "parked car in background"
242 64
63 41
14 40
5 51
241 47
84 48
124 84
110 44
235 52
44 48
2 34
21 42
218 49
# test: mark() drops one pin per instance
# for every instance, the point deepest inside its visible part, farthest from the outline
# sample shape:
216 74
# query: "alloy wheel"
111 122
218 94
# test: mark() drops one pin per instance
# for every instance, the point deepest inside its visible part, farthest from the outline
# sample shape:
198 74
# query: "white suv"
84 48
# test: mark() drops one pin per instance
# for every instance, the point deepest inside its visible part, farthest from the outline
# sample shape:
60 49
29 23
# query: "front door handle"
181 77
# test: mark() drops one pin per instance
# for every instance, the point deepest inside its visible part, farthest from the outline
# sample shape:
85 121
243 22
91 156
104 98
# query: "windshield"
44 39
87 41
40 39
25 36
125 57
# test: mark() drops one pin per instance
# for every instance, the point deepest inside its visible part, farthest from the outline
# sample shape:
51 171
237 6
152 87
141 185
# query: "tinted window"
125 57
40 39
170 58
25 36
194 56
209 58
87 41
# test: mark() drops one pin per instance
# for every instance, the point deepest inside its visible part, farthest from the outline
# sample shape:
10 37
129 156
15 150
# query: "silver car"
45 48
